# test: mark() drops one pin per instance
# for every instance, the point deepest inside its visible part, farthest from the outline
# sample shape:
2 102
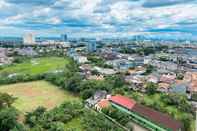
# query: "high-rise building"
29 39
91 46
64 37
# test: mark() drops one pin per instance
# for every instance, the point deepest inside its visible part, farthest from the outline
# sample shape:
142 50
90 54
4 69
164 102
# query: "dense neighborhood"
137 85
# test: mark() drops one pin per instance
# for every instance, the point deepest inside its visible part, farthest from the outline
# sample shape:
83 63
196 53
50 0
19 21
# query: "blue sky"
99 18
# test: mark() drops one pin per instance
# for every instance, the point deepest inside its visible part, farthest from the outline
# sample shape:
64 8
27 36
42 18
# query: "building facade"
29 39
91 46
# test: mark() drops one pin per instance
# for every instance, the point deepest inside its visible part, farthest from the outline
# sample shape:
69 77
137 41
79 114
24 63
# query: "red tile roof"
157 117
123 101
103 103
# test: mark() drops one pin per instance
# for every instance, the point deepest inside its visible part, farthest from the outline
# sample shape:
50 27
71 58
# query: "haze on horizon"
100 18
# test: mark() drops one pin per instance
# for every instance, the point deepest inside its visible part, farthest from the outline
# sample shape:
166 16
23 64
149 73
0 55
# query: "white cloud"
110 16
3 4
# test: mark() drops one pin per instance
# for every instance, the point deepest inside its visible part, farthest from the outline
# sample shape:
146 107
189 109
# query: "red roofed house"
104 103
145 116
123 101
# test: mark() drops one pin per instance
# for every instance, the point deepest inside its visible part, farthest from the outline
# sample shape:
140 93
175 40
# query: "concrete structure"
29 39
98 96
91 46
4 59
105 71
80 59
64 37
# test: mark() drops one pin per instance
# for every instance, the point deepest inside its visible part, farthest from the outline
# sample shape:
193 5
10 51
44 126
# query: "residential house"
180 88
95 77
4 59
80 59
163 87
122 64
164 65
99 95
136 82
104 103
193 83
27 52
168 78
153 79
105 71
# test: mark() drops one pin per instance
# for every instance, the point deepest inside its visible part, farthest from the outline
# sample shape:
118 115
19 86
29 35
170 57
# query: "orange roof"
103 103
123 101
194 76
164 85
193 86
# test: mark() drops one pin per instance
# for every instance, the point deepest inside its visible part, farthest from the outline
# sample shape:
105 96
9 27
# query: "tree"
116 81
73 83
149 69
32 118
8 119
180 101
87 93
57 126
121 117
151 88
97 122
6 100
180 76
53 120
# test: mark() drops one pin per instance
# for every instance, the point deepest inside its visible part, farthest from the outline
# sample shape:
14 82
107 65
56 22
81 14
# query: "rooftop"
103 103
157 117
123 101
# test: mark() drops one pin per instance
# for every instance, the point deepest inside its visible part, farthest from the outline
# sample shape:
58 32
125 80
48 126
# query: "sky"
100 18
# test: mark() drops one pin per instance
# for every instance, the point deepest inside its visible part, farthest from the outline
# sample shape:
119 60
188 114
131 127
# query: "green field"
30 95
36 66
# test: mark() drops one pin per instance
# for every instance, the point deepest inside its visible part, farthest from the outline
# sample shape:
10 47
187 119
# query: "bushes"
20 78
6 100
116 114
92 121
8 114
149 69
53 120
180 101
151 88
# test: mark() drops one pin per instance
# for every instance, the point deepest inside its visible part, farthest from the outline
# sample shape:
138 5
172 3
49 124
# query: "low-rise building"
136 82
80 59
99 95
105 71
168 78
163 87
180 88
4 59
145 116
95 77
153 79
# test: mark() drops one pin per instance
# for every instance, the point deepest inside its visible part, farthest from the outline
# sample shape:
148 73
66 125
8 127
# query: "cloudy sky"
99 18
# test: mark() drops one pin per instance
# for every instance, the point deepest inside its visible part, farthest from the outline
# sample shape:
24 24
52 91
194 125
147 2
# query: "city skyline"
100 18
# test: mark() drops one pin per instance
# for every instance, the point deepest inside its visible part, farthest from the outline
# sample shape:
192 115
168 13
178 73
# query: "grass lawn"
39 93
36 66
